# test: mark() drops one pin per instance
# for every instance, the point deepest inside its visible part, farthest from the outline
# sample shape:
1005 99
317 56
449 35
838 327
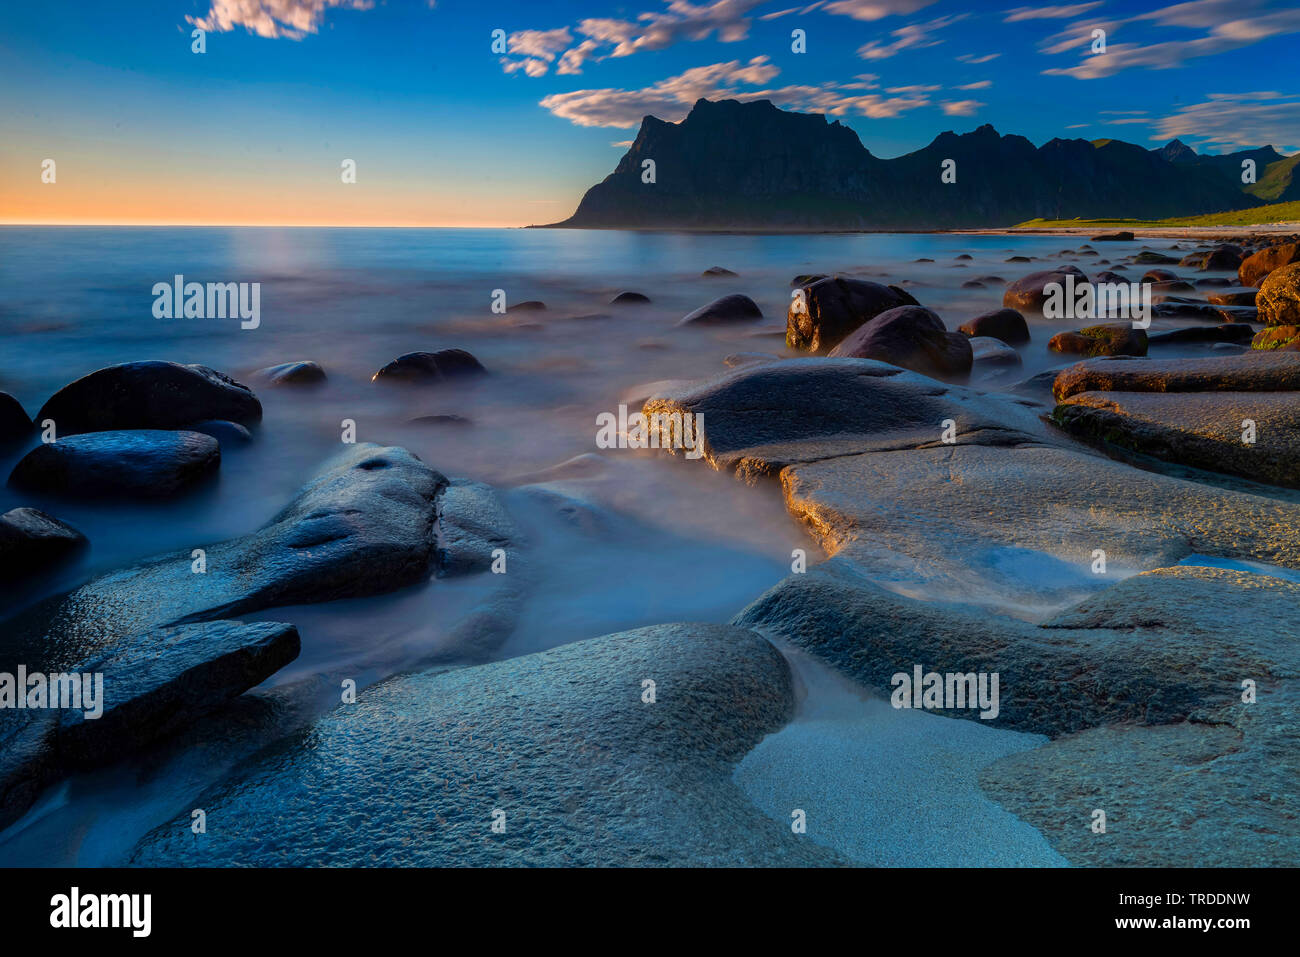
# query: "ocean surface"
656 539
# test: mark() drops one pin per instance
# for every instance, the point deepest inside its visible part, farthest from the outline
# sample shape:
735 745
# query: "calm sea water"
77 299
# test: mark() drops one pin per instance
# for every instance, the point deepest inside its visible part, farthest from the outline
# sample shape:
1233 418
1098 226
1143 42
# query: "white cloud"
1232 121
961 107
977 85
973 59
876 9
913 36
293 19
913 89
1050 13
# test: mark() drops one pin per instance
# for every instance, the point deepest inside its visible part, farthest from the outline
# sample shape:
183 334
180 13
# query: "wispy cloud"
977 85
671 99
292 19
961 107
1236 121
1050 13
975 60
912 36
876 9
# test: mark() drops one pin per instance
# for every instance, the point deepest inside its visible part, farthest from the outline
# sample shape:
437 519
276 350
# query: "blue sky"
446 131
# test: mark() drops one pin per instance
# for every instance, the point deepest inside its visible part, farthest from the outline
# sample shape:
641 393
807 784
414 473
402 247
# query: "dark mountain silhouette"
733 165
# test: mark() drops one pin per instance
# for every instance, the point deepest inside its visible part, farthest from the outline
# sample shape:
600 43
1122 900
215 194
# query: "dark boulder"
1277 339
629 299
911 337
1005 324
1106 339
1279 297
1120 237
144 463
31 542
1256 267
727 309
528 305
14 424
1230 332
149 395
430 367
1149 258
717 271
1159 275
292 373
1029 292
829 309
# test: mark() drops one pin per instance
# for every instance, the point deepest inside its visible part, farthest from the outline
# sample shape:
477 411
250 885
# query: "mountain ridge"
750 165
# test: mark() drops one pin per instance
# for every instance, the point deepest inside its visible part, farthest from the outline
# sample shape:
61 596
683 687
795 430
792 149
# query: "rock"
911 337
964 256
1018 259
528 305
1005 324
727 309
717 271
987 351
152 685
226 433
149 395
1235 298
1230 332
1120 237
1202 430
1028 293
807 279
1148 258
1277 339
292 373
145 463
1221 258
973 284
1106 339
31 542
629 299
1227 374
14 424
1173 285
1108 276
1159 275
829 309
1213 281
559 741
442 419
1279 297
1256 267
430 367
365 525
748 358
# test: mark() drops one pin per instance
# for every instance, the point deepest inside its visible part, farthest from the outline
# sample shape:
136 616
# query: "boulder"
1120 237
429 368
14 423
1159 276
145 463
911 337
727 309
1220 258
528 305
292 373
149 395
1244 297
152 685
1247 373
1230 332
1148 258
227 433
560 743
629 299
807 279
32 542
1277 339
987 351
717 272
1256 267
1106 339
1028 293
1279 297
829 309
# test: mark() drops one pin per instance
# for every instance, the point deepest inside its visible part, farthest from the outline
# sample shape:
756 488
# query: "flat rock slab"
1202 430
138 464
1263 372
363 526
31 542
152 684
561 742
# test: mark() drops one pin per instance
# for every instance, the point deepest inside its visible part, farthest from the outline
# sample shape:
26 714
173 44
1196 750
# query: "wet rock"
1029 293
441 419
144 463
14 424
292 373
363 526
830 309
807 279
1159 275
629 299
1148 258
1120 237
226 433
1173 285
1019 259
1108 276
31 542
1279 297
1229 332
1202 430
1252 373
717 271
748 358
1256 267
1005 324
1221 258
911 337
428 368
528 305
1106 339
1213 282
1234 298
152 684
1277 339
727 309
561 742
973 284
987 351
149 395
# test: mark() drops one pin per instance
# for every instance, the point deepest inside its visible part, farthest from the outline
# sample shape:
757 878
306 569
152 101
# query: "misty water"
639 538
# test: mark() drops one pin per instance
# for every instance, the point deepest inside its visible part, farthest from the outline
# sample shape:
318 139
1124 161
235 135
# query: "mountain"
733 165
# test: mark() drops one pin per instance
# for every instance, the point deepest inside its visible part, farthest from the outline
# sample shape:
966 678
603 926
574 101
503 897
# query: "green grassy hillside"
1259 216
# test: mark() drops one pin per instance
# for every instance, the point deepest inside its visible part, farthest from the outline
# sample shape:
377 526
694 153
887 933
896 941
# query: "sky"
503 112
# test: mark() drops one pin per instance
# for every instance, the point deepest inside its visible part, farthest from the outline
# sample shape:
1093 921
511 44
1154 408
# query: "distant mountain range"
733 165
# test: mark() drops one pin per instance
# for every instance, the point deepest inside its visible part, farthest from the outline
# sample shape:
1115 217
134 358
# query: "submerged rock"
559 746
1005 324
1242 298
1030 292
292 373
1245 373
424 368
911 337
1106 339
14 423
149 395
830 309
629 299
1229 332
31 542
528 305
1120 237
152 684
715 271
987 351
145 464
727 309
